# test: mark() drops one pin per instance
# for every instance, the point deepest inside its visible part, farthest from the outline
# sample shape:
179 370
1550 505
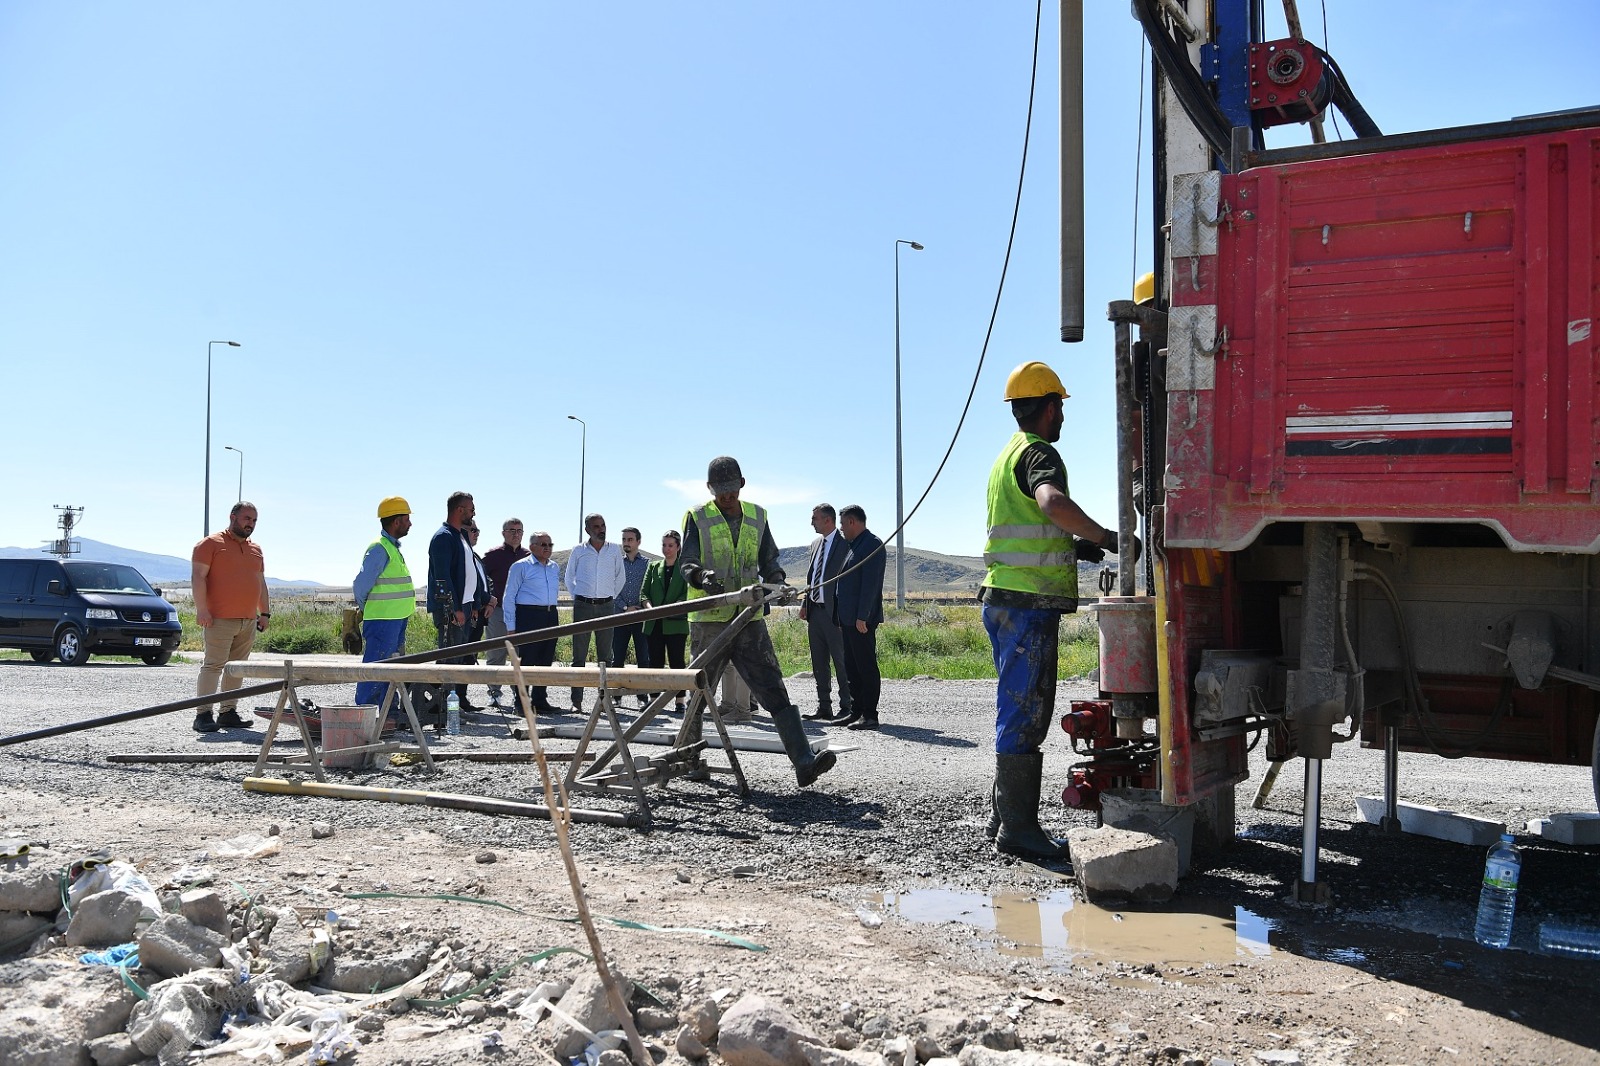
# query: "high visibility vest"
736 564
1025 551
392 595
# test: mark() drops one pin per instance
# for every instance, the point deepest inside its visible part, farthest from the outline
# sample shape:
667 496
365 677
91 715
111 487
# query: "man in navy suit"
823 563
858 610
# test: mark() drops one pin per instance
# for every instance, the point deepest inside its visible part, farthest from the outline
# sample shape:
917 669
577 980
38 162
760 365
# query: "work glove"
1087 551
707 581
1130 547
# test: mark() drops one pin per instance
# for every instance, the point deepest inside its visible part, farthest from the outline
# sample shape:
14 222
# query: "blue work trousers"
1025 658
381 638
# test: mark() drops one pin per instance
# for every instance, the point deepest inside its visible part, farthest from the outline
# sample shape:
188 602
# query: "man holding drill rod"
727 544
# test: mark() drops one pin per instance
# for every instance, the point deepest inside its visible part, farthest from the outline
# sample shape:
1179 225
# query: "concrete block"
1579 830
104 919
30 883
204 907
1424 821
1115 863
173 945
586 1003
1142 809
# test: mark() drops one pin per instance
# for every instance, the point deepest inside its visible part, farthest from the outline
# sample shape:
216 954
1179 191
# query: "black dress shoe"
821 714
845 720
470 707
864 723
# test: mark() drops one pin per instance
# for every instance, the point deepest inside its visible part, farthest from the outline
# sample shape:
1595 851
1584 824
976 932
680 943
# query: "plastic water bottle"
452 715
1497 903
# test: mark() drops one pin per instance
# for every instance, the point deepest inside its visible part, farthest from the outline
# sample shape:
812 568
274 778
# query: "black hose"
1344 98
1192 93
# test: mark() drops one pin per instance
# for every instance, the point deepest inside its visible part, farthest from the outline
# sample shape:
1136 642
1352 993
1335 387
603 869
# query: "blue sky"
437 231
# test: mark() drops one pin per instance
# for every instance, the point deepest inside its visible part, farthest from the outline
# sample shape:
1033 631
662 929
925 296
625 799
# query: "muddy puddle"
1061 930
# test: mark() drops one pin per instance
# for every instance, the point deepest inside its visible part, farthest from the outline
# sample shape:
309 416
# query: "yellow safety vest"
737 564
392 595
1025 551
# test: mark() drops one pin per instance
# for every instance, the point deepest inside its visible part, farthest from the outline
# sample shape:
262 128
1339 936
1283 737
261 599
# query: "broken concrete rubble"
757 1031
1124 864
173 946
104 919
587 1004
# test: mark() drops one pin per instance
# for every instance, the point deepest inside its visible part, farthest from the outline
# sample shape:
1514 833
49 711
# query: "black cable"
1203 111
994 313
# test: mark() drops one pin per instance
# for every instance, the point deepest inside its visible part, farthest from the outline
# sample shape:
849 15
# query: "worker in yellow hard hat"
385 594
1036 536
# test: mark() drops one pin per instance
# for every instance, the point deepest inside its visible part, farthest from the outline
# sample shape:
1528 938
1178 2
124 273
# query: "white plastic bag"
246 846
331 1037
119 877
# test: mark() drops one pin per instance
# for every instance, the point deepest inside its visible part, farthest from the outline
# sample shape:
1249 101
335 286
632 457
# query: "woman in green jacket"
663 584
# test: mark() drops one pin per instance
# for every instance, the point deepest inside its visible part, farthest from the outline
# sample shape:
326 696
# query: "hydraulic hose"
1344 98
1192 93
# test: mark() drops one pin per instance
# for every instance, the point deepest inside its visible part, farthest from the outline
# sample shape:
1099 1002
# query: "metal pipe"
1391 779
280 758
1308 891
450 800
1072 171
1127 520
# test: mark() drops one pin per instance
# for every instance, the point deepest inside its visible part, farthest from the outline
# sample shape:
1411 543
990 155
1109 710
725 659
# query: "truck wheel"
156 658
71 648
42 655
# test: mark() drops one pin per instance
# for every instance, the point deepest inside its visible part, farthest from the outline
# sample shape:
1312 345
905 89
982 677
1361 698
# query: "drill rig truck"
1356 421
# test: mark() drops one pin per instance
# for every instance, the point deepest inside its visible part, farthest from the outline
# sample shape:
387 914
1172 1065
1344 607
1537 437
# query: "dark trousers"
827 657
861 667
621 636
536 652
582 611
752 657
668 648
471 633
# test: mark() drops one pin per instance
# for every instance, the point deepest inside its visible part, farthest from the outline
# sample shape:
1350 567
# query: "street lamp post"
583 459
232 344
899 461
231 448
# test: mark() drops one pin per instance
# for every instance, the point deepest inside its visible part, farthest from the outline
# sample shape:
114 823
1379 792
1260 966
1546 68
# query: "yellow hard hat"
393 505
1144 290
1033 379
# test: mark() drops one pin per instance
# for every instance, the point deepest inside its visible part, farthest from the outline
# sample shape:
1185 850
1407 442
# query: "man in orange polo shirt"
230 598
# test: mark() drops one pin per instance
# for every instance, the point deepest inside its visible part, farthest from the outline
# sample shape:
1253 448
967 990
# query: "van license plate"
147 642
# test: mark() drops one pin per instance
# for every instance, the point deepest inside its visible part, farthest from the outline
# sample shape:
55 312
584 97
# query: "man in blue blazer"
858 610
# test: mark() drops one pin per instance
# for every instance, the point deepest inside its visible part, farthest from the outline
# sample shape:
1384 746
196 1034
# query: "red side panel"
1407 336
1194 612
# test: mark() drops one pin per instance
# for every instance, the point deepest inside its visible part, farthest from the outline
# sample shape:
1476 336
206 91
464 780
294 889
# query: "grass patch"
944 642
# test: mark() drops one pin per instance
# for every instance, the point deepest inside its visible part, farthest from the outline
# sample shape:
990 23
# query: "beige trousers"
226 639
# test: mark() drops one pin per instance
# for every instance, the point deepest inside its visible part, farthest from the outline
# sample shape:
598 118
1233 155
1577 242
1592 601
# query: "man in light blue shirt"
532 585
595 575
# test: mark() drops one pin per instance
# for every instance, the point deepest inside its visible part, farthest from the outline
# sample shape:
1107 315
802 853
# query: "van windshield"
107 577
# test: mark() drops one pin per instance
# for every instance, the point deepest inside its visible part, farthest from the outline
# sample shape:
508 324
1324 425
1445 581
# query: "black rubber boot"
1016 784
808 766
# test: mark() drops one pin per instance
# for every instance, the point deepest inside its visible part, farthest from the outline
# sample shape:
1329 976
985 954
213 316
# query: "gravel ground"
1387 973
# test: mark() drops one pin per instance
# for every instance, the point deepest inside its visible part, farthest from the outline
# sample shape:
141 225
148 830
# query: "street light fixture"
232 344
899 462
583 459
231 448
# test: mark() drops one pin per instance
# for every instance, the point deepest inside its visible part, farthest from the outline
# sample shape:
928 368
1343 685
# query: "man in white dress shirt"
595 574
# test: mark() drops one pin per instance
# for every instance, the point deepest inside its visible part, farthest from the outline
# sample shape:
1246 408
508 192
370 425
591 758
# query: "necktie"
816 570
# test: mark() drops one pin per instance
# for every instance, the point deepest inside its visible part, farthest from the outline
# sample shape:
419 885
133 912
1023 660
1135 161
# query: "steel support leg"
1391 780
1308 890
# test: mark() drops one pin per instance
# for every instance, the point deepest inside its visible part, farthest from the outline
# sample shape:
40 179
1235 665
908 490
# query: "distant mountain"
157 569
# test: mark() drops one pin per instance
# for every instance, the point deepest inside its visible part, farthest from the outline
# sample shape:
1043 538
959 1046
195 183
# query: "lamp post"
899 462
583 459
232 344
231 448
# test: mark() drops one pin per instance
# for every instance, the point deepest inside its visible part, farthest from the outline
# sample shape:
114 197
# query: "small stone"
614 1057
846 1039
274 830
688 1045
682 876
485 857
457 983
654 1019
875 1027
321 830
369 1022
474 1010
